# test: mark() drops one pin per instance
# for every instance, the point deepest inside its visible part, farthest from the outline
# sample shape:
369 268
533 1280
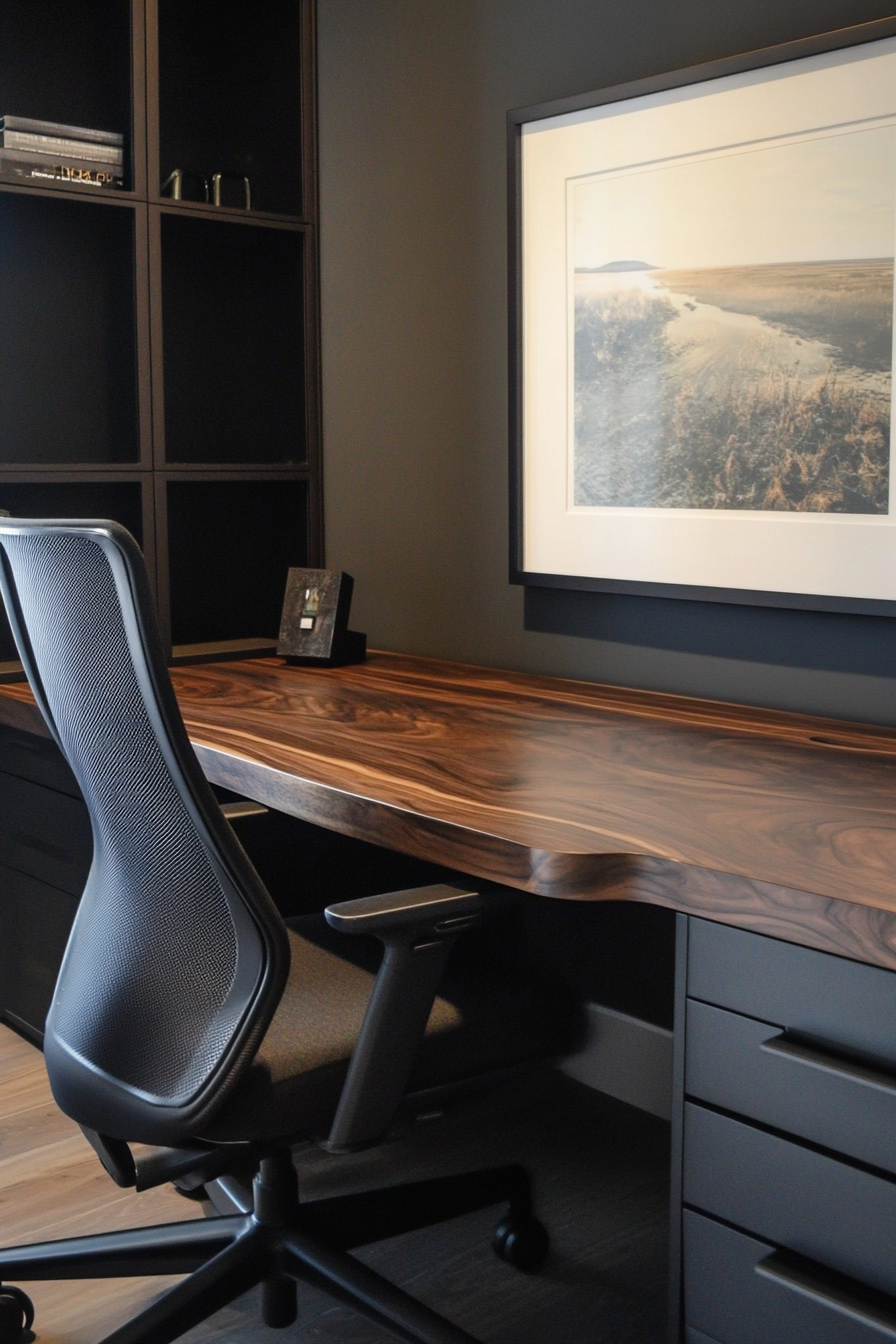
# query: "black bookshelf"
160 357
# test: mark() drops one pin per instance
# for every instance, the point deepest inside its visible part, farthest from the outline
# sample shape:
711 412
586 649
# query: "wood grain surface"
780 822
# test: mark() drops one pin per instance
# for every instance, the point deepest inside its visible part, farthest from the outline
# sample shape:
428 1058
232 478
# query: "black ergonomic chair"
187 1016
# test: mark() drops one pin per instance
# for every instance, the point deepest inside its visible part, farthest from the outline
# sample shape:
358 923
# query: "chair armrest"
419 927
439 909
244 808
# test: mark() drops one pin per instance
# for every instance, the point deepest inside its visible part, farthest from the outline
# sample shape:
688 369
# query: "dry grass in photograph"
761 388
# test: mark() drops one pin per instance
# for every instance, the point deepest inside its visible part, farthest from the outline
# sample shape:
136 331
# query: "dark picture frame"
591 506
314 623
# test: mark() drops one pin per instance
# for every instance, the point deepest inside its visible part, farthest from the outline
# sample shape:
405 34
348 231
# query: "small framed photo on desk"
314 624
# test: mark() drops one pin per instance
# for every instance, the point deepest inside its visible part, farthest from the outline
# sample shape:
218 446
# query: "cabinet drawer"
805 1088
35 920
45 834
740 1290
826 1210
813 993
36 758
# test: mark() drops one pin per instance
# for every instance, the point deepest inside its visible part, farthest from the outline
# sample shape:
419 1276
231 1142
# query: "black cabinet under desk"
45 853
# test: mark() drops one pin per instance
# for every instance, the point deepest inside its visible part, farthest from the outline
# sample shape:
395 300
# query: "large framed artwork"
702 331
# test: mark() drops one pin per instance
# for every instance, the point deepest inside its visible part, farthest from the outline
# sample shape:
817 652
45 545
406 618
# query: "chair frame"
276 1241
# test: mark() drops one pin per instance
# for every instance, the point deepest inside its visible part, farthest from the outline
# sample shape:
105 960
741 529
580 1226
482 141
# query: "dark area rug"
601 1173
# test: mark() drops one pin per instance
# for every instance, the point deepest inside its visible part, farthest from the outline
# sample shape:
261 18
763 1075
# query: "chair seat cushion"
489 1015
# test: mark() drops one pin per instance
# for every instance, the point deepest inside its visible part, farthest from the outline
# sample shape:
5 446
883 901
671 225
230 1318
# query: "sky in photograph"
827 198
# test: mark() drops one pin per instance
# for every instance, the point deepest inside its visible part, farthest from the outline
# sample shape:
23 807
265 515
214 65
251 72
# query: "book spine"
67 149
41 168
58 128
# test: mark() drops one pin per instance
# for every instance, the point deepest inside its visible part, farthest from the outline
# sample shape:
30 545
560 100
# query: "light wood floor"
602 1189
52 1185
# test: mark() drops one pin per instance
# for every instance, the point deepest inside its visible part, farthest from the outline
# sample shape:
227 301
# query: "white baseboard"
627 1058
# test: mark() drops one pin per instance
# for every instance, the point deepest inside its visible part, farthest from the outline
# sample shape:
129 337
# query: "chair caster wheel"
522 1242
196 1192
16 1315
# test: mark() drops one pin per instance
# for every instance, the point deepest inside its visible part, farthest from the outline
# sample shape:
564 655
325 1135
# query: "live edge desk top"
781 823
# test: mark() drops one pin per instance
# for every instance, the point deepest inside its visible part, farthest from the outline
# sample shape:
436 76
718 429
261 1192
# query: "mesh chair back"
177 957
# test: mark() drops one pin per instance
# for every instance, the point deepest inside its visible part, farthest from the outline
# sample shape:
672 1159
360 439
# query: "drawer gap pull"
816 1058
835 1292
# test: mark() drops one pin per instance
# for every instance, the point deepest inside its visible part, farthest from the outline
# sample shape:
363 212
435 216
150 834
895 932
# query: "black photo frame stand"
314 626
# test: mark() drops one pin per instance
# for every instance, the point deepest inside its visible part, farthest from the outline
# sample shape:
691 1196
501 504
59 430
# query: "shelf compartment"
232 334
125 502
230 543
68 358
231 95
70 63
100 497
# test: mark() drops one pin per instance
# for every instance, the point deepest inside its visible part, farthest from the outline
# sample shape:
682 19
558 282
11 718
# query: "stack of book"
41 152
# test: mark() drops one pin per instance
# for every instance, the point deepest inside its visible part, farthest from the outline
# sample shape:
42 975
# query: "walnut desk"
776 822
747 822
781 823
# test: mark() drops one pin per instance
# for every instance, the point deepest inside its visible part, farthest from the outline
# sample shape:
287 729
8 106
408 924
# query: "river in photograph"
762 388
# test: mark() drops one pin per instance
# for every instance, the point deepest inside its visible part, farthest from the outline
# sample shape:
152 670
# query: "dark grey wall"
412 101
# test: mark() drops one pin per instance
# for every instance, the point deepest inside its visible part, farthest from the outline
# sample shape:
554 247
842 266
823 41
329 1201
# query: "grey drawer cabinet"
786 1143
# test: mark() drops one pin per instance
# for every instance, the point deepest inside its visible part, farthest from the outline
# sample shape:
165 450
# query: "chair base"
279 1242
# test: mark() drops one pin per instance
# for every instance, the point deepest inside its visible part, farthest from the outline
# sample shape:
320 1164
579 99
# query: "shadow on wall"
820 641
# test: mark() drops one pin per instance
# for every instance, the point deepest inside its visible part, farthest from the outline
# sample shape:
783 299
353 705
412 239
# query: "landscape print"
734 329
